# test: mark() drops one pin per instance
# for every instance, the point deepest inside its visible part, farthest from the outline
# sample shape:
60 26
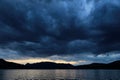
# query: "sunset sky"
61 31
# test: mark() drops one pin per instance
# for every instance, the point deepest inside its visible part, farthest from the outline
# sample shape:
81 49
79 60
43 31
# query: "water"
59 74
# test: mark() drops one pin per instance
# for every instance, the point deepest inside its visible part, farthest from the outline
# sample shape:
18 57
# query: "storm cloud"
44 28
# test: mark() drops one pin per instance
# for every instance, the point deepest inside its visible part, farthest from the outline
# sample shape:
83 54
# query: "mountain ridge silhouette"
51 65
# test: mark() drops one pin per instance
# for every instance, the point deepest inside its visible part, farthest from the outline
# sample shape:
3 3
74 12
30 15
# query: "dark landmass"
10 65
50 65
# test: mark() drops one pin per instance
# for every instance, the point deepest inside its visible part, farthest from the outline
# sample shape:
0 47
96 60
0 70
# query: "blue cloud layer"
65 27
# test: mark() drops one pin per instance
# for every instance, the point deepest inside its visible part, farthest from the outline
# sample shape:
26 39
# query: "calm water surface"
59 74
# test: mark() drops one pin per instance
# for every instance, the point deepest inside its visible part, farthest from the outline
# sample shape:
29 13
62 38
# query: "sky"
62 31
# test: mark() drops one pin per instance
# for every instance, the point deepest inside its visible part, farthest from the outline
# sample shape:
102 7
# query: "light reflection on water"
60 74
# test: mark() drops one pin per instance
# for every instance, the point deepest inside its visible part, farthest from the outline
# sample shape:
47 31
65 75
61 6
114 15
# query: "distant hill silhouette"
50 65
10 65
112 65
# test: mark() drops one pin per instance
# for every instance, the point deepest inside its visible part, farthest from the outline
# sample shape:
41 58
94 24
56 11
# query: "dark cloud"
107 21
65 27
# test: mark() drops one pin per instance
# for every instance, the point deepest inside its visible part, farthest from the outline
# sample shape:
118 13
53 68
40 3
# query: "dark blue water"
59 74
